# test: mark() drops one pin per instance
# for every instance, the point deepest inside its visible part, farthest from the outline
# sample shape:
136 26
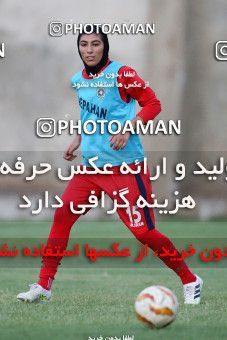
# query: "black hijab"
95 69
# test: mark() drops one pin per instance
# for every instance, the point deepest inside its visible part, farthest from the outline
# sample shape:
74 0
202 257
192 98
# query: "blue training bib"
99 99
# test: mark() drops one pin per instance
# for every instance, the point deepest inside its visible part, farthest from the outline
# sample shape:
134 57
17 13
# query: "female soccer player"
106 90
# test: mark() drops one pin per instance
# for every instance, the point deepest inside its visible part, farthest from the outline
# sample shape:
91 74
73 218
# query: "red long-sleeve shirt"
143 94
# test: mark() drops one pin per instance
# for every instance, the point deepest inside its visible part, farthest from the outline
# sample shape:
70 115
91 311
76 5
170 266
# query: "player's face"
91 48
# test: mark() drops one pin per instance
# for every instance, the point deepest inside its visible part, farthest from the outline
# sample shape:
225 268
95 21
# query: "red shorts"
138 220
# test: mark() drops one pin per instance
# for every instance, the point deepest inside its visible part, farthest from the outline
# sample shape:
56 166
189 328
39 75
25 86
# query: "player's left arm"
143 94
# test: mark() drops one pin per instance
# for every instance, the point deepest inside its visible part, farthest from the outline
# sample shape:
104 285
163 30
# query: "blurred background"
179 61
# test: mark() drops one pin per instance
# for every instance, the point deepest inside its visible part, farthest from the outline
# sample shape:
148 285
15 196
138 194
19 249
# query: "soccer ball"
157 306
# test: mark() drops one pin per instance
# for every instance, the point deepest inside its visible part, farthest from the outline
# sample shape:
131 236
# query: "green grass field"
100 301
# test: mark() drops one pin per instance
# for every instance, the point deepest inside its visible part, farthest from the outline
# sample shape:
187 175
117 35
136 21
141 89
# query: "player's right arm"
69 152
143 94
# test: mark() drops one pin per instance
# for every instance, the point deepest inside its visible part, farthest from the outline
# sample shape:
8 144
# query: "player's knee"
59 215
145 236
64 215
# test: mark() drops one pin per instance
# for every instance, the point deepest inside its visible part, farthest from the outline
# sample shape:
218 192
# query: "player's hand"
119 141
68 154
